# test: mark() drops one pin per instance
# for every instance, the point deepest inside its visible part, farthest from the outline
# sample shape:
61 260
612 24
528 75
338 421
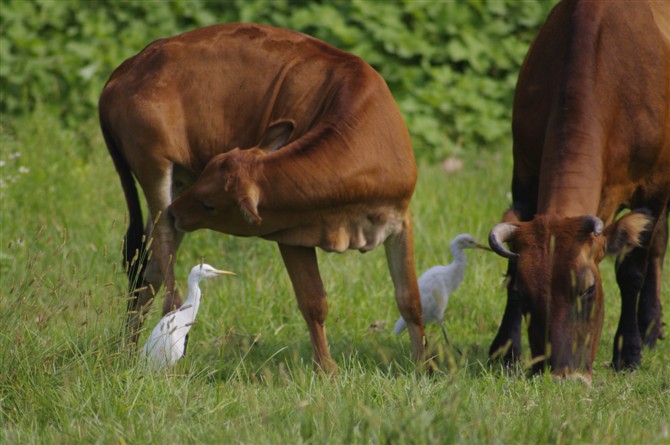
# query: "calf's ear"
249 206
277 135
626 233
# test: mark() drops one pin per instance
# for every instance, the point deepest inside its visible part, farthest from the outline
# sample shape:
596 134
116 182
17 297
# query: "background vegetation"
248 376
451 64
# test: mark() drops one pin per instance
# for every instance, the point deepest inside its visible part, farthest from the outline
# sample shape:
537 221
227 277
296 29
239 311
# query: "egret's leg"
303 270
185 345
444 333
400 258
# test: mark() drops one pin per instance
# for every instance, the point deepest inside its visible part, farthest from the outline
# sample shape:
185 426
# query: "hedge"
451 65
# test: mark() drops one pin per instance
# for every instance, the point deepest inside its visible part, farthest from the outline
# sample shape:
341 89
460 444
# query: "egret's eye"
206 207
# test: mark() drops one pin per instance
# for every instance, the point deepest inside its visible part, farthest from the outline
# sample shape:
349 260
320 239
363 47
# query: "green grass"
248 377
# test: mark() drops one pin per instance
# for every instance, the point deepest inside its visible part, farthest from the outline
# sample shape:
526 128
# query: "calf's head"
554 274
224 197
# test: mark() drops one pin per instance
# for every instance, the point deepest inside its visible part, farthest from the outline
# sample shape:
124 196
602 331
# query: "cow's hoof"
627 360
653 333
620 365
506 355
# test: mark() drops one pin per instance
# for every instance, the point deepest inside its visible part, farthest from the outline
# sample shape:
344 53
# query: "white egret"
438 282
167 342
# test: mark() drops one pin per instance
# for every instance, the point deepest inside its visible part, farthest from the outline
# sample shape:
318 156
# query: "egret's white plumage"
167 342
438 282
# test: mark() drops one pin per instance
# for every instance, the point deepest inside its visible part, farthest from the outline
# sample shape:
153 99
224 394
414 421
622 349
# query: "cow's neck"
571 178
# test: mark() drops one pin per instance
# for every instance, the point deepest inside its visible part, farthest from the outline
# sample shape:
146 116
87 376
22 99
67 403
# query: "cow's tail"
134 245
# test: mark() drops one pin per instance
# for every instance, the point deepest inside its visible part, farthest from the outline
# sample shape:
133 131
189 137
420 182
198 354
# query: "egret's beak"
483 247
223 272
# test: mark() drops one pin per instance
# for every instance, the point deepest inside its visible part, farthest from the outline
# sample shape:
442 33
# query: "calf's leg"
303 270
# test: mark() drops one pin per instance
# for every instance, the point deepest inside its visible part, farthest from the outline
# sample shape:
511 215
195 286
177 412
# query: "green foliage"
451 64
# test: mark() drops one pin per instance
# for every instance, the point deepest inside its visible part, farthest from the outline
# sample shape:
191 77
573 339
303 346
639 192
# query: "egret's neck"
458 268
194 294
460 258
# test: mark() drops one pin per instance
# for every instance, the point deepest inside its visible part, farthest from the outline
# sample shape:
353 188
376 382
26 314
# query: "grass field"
248 376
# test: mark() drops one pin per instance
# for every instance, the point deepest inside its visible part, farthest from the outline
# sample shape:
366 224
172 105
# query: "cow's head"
554 272
224 197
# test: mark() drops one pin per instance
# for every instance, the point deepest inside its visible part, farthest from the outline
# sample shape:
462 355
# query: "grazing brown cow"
289 138
591 137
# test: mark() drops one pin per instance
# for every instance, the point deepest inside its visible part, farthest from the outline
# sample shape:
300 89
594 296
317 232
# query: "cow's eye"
206 207
585 301
589 292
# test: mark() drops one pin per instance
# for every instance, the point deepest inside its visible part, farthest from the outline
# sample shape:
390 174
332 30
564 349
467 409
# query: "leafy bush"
451 65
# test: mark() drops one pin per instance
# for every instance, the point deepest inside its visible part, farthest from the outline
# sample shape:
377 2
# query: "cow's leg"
166 240
162 240
303 270
630 275
650 313
400 257
507 343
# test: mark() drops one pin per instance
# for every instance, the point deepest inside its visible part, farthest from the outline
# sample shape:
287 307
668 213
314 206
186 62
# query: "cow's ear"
249 206
511 216
277 135
626 233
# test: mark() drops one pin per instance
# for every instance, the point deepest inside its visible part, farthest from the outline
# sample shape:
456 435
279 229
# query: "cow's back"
220 87
593 94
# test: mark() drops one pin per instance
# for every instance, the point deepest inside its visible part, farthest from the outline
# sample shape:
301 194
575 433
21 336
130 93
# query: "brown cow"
294 141
591 132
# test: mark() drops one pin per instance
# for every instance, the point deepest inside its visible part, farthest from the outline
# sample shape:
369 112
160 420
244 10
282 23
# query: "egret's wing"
156 351
182 318
184 307
440 298
159 330
430 287
429 304
163 342
167 341
178 339
400 326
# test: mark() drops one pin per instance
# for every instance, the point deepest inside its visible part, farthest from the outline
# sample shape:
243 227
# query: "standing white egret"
167 342
438 282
